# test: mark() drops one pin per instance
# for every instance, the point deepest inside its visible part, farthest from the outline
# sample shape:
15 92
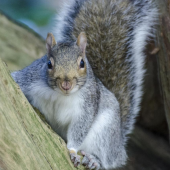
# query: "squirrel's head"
66 64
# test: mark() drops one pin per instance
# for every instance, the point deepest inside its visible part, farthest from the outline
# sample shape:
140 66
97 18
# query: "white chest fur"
58 109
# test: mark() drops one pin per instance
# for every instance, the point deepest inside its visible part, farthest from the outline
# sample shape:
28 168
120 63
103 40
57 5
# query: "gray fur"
96 118
99 113
117 32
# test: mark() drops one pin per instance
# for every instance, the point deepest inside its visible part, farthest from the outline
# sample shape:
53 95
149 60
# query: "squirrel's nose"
66 85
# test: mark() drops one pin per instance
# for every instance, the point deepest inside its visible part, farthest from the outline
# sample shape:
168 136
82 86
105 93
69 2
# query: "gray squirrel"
89 84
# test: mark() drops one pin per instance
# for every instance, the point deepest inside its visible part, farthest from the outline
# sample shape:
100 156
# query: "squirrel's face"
66 64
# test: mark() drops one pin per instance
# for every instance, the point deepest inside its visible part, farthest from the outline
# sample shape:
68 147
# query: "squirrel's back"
117 31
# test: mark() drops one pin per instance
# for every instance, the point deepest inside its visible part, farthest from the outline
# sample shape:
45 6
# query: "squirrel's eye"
49 65
81 63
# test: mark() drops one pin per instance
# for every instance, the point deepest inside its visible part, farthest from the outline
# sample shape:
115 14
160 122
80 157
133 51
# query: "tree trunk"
19 45
163 40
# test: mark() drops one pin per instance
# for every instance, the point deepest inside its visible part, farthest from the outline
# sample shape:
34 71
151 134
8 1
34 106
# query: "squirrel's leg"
76 133
103 147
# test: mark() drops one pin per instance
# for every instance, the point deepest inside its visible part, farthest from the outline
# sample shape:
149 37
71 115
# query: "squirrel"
89 84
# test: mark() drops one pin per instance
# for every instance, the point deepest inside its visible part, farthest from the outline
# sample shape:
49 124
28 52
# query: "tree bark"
163 40
19 45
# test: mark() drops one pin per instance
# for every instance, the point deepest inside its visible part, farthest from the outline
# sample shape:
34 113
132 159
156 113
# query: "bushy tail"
117 31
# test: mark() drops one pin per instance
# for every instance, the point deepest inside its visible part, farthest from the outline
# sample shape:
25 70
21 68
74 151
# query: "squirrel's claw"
75 159
90 161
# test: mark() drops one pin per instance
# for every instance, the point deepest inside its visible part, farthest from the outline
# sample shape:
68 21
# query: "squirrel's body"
98 107
117 31
90 116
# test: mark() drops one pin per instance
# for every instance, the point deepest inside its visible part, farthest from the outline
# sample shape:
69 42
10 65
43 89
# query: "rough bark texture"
26 142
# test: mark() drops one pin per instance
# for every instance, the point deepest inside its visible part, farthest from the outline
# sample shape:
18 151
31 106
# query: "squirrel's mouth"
66 86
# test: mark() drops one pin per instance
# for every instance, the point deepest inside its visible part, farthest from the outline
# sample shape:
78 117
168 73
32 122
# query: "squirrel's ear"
50 41
82 41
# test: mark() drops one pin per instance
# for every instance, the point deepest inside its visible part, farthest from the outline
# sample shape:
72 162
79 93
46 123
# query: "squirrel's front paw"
74 158
90 161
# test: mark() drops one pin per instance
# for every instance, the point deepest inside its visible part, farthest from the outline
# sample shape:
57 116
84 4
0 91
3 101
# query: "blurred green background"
38 15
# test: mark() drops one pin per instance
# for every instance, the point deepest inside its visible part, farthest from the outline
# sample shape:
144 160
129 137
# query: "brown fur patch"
106 32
